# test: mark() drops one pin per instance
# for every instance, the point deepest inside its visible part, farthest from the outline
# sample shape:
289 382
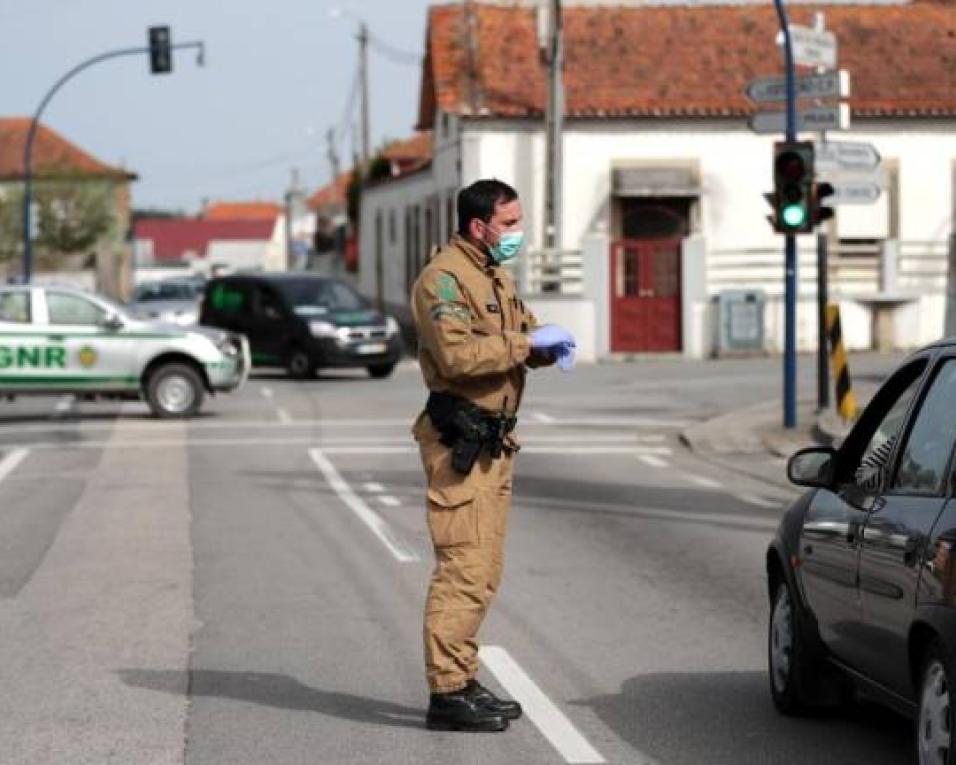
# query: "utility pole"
332 154
554 126
363 79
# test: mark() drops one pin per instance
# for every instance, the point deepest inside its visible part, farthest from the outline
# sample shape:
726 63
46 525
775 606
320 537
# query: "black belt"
467 428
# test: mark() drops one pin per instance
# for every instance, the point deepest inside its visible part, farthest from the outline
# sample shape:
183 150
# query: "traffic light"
793 187
160 55
820 211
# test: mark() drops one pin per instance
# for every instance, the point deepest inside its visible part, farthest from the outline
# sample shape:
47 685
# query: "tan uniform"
472 343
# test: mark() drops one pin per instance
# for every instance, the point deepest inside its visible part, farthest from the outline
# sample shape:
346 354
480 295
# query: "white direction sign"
818 118
849 193
827 85
846 155
812 48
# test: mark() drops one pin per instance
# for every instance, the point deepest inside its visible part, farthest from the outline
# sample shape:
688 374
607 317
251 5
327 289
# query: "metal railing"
549 272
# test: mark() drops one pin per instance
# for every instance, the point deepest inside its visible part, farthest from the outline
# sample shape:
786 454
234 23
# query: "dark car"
862 571
303 322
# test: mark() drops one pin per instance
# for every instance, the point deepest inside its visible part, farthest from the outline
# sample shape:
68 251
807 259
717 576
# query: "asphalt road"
247 587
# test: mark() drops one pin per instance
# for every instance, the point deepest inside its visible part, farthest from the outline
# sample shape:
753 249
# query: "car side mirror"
111 322
813 467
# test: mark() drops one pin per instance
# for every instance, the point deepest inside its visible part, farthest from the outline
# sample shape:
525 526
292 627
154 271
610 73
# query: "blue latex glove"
550 335
564 354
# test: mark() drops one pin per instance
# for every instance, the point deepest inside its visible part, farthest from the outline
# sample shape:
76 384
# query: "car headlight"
229 345
391 326
322 328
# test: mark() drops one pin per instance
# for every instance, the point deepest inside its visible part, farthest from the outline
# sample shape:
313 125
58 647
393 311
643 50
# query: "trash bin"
740 322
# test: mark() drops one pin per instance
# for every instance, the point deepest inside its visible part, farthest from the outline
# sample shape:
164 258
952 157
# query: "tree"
73 215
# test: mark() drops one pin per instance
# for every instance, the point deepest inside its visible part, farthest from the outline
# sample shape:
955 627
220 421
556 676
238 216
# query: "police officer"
476 339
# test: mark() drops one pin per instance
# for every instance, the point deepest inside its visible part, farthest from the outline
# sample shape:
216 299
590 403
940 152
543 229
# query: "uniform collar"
475 254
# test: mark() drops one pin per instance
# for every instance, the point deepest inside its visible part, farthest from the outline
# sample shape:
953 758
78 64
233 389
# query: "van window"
228 298
316 296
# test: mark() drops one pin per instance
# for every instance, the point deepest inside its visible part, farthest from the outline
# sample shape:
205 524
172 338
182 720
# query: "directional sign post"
812 48
827 85
835 117
854 192
846 155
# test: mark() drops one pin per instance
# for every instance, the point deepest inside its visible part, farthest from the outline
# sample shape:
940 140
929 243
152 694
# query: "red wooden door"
645 296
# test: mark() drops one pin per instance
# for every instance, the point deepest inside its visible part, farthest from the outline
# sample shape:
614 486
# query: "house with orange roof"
663 179
61 165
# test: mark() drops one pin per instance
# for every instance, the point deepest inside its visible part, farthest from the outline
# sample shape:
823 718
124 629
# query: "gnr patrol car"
55 340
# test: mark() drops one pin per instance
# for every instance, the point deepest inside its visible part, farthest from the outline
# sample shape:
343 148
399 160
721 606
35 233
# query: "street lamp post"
31 135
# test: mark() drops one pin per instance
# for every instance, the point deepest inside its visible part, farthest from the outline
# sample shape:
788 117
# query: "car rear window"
165 291
314 296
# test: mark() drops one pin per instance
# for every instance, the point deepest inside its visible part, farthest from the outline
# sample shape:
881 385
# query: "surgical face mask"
507 247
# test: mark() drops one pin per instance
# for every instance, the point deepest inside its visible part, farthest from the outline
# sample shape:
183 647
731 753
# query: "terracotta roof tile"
53 155
681 60
242 211
332 194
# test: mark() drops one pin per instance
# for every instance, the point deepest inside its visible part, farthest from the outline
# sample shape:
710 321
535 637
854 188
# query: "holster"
468 429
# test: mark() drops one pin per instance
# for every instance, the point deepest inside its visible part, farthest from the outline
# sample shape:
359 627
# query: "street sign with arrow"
846 155
826 85
835 117
854 193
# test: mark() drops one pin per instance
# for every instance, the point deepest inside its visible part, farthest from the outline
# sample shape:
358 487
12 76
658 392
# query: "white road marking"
707 483
266 392
544 713
532 426
547 419
332 446
283 415
9 463
654 462
363 512
753 499
64 404
389 501
373 488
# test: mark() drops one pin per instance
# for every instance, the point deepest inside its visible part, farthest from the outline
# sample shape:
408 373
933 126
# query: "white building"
663 206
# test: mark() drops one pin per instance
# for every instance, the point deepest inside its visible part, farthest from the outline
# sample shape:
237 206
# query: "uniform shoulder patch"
447 288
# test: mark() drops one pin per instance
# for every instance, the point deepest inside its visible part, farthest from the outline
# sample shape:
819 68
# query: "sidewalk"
759 429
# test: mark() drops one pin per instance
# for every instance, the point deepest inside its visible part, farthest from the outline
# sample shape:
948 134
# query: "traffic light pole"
31 135
790 247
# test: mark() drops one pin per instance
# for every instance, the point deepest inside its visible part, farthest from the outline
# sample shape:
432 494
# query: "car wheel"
174 390
299 365
935 744
380 371
789 661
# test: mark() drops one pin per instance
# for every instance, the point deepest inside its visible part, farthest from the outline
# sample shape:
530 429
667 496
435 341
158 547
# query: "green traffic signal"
794 216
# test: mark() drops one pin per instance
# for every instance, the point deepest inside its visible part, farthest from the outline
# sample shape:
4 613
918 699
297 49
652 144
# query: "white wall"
734 165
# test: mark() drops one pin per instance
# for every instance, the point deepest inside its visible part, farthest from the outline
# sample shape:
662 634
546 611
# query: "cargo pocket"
452 517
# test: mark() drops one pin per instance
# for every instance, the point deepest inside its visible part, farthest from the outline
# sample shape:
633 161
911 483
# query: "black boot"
510 710
461 711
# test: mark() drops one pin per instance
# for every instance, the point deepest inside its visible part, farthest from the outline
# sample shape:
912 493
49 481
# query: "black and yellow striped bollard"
839 367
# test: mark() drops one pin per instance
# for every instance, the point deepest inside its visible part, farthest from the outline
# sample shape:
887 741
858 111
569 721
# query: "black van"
302 322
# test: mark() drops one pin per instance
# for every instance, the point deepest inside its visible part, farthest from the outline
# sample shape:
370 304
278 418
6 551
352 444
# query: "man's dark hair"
479 201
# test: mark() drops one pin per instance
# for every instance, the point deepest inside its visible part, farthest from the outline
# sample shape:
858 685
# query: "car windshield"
314 297
165 291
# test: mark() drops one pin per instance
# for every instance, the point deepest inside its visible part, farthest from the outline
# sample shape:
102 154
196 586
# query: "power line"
393 54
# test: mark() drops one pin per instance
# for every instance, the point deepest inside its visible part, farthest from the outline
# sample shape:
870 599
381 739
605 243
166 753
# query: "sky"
278 75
